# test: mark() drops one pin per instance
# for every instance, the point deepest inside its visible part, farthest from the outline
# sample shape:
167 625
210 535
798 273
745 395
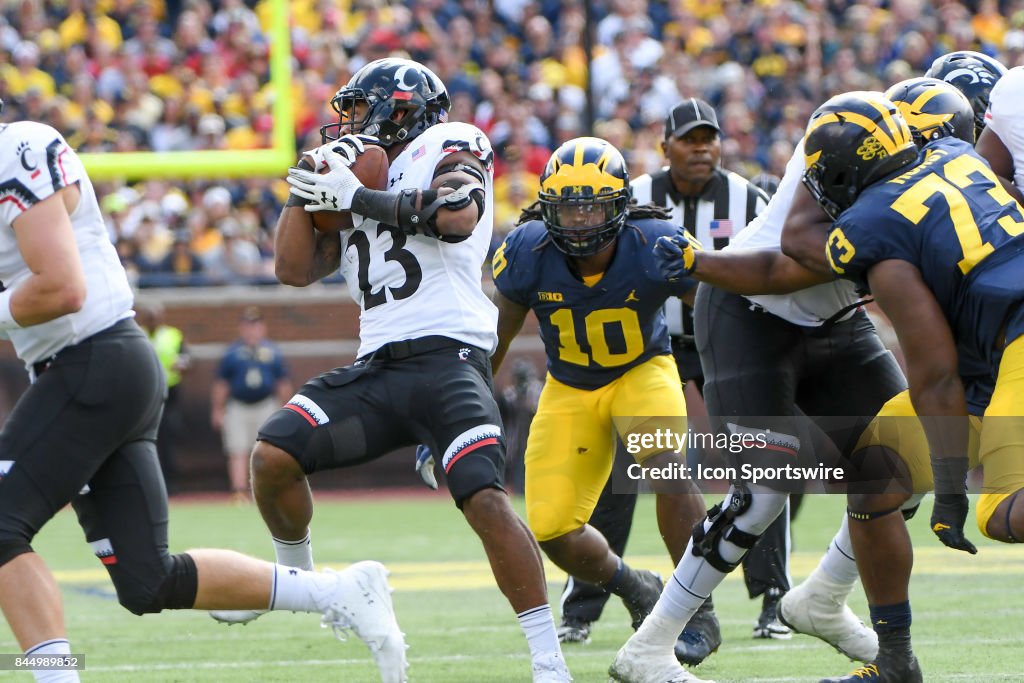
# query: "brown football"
371 167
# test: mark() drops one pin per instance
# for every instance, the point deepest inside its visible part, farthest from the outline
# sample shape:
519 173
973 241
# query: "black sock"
892 624
625 581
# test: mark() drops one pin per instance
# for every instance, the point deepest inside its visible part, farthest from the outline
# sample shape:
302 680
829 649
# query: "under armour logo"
395 180
332 199
293 572
463 353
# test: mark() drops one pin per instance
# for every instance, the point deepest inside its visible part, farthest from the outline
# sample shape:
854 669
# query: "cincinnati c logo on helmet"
400 83
973 73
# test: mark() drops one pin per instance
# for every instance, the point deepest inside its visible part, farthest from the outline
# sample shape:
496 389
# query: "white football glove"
347 146
332 191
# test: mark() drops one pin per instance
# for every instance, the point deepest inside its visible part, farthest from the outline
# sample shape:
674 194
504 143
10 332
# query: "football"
371 167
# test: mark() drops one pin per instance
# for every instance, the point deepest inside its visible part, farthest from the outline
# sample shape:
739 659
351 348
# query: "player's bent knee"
995 515
549 528
175 589
477 471
12 548
874 505
270 463
739 520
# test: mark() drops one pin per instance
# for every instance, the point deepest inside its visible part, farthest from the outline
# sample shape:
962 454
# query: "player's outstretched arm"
510 320
935 389
46 241
805 232
751 271
755 271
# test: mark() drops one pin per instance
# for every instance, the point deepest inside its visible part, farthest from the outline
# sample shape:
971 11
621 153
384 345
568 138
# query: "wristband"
950 475
7 321
377 205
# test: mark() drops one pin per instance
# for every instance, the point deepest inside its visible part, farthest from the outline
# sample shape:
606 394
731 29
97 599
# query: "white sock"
538 625
691 583
299 590
694 578
51 648
838 563
294 553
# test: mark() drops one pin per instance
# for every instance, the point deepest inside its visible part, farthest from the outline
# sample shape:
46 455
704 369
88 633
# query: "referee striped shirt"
729 201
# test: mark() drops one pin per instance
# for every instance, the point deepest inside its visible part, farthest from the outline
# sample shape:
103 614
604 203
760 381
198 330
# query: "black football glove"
950 511
948 517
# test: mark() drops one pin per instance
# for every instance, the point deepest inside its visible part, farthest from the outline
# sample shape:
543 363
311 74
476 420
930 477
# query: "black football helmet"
584 196
933 109
388 86
973 74
852 141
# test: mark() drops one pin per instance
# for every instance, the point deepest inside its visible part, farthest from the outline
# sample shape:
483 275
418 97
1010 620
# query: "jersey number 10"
594 325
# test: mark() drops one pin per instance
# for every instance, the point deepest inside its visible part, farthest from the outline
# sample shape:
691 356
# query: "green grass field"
968 611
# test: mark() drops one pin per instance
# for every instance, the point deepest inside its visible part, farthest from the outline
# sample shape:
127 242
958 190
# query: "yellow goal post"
217 164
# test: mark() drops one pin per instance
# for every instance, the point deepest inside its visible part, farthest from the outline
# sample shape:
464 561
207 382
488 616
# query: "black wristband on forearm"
950 475
376 205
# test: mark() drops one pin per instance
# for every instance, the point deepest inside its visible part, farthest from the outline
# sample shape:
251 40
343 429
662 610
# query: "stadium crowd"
127 75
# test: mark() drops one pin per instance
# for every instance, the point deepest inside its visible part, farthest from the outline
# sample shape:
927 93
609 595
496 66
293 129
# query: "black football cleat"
642 601
701 638
768 624
883 671
574 631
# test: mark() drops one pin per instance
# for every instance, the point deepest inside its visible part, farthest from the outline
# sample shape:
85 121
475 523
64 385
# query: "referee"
712 204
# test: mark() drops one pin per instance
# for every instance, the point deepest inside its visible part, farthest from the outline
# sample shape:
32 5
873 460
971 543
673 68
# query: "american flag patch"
418 152
721 228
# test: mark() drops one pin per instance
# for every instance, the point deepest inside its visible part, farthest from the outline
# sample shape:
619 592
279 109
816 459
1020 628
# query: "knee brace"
10 549
752 510
176 589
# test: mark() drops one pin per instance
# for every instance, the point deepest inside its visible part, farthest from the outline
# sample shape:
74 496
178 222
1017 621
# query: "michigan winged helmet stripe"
853 140
891 134
584 169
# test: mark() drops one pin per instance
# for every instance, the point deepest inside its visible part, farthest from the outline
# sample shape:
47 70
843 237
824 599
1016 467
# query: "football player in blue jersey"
581 260
937 240
935 111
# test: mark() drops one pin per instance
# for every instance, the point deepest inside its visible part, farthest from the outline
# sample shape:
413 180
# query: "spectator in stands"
252 382
169 343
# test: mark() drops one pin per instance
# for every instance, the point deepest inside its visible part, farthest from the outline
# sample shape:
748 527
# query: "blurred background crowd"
173 75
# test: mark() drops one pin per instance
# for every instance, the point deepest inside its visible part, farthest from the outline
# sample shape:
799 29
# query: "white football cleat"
551 668
638 662
817 607
362 603
236 616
